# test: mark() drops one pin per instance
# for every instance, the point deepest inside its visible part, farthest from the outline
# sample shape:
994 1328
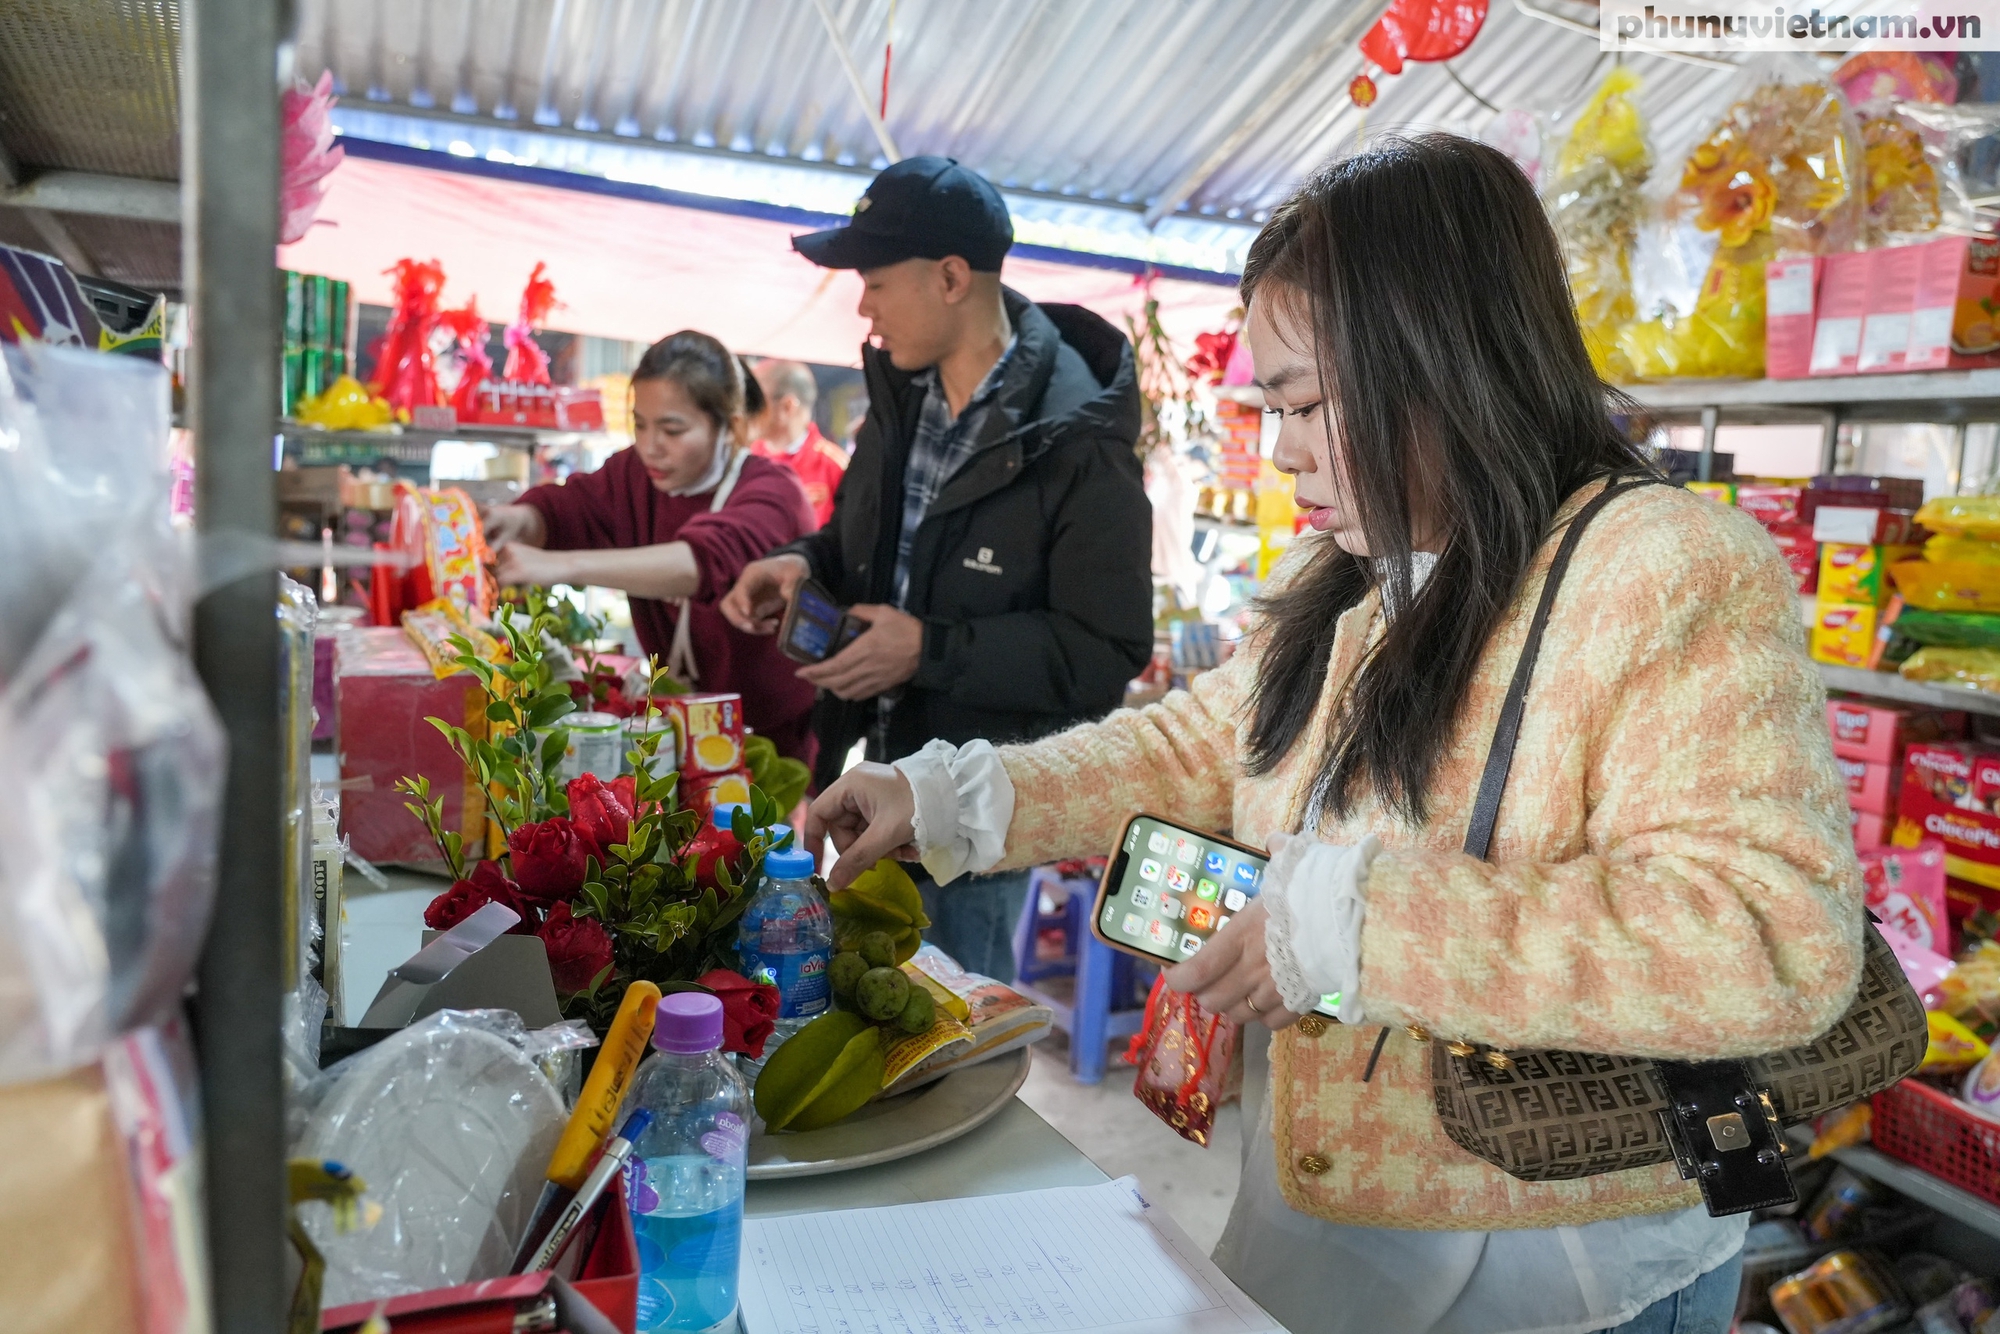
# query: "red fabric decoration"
1422 30
526 362
468 327
1361 91
405 369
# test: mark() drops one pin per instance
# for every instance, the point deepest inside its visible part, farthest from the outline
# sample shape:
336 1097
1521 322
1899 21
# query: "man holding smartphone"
992 528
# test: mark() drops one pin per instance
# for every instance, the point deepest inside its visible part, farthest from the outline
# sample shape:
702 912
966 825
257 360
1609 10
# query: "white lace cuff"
965 801
1312 937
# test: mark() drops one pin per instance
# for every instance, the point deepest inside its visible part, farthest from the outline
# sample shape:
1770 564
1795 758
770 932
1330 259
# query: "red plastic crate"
1935 1131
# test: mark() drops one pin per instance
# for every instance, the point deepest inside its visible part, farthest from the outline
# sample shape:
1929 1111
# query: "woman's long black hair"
1450 364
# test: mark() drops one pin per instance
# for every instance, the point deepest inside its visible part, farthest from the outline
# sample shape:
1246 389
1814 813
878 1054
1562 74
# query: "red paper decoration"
405 370
1421 30
468 328
526 362
1361 91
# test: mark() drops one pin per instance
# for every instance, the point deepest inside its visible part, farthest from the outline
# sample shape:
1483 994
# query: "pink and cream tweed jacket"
1672 874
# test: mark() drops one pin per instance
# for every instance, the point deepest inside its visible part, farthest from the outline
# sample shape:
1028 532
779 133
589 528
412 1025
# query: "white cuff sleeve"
1312 937
965 801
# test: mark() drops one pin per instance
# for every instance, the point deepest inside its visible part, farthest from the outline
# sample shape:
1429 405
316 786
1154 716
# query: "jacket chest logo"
983 562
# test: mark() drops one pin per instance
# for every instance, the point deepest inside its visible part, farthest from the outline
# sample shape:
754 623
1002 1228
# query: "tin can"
295 309
711 732
318 300
667 754
343 310
292 386
312 372
596 746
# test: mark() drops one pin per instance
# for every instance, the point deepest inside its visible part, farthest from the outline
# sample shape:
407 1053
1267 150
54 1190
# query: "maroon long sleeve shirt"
618 506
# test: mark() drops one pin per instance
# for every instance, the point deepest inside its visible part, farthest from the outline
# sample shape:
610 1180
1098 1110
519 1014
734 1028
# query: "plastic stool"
1108 1001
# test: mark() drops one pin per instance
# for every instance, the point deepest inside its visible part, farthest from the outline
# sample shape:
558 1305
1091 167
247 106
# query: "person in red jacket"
792 438
672 521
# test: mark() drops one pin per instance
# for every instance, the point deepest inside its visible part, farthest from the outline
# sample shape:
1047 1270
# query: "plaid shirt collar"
941 447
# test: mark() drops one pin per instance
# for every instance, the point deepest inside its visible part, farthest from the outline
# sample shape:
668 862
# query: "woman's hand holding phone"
870 813
1231 976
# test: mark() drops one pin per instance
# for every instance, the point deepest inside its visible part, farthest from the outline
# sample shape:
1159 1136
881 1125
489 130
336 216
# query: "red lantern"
1361 91
1422 30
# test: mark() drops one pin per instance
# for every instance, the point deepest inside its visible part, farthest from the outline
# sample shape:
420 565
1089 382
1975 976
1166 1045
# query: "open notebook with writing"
1074 1258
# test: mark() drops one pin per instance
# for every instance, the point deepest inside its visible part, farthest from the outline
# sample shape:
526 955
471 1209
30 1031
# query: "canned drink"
337 331
313 378
667 754
318 301
292 388
295 309
596 746
1841 1293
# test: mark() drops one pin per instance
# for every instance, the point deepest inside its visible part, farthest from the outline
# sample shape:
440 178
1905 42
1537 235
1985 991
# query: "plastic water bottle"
686 1177
786 939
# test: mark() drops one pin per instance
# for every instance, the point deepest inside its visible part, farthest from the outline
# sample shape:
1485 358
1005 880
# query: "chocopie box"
1870 787
1770 503
711 728
1877 733
1795 543
1950 791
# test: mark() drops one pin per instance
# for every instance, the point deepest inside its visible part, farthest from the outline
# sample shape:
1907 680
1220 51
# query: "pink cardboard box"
1892 298
1843 304
1790 293
1877 733
1871 787
1870 831
387 690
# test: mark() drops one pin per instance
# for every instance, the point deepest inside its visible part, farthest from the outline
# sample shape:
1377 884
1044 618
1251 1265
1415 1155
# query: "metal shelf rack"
1888 685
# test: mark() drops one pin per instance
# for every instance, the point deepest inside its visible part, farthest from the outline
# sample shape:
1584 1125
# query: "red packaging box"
711 729
1842 305
1870 831
1796 545
1769 503
1871 788
1791 289
1892 297
1906 889
1953 326
1877 733
386 689
1949 791
1859 525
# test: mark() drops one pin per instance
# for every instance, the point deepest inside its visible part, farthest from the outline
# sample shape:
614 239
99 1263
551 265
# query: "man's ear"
954 279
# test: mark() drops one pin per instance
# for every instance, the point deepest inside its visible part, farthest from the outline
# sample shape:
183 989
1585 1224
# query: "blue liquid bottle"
786 939
686 1183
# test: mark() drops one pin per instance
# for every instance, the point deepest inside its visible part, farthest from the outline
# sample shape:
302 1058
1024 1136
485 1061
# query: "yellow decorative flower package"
1595 199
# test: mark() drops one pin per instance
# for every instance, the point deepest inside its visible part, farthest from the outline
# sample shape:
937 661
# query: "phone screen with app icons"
1172 889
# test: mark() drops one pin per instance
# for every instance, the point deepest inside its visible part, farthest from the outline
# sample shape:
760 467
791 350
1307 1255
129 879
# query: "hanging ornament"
1362 91
405 366
469 331
1422 30
526 362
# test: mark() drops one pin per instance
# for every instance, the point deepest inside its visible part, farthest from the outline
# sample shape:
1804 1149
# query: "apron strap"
680 656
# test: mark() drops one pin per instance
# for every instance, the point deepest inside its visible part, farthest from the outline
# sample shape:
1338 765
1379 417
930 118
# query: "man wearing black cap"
992 527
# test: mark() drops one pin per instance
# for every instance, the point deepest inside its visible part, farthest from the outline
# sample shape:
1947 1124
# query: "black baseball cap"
920 208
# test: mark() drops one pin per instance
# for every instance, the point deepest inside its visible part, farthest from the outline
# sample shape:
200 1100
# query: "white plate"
895 1127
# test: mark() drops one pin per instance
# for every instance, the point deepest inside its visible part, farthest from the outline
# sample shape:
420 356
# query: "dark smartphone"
815 626
1168 889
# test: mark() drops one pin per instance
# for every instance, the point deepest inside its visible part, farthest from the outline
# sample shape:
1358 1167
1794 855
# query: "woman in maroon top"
672 521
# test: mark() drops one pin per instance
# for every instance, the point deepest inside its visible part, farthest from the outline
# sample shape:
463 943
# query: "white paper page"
1038 1262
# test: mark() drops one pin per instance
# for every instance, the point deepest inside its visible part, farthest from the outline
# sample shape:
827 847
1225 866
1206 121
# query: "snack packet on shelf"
1978 668
1779 176
1957 585
1953 1046
1000 1019
1595 199
1962 516
431 627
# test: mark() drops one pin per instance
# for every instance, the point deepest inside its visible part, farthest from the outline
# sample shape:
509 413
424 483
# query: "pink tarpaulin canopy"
638 270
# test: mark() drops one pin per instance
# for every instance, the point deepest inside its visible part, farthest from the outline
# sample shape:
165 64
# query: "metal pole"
229 175
1705 465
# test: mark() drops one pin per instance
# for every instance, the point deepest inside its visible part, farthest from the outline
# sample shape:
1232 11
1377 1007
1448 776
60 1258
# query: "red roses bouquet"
617 879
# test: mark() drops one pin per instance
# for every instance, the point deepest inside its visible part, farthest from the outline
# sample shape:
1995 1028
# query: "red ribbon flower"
601 813
485 885
579 949
548 859
749 1010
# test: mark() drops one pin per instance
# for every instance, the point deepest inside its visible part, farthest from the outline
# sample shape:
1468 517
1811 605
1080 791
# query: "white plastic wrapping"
450 1123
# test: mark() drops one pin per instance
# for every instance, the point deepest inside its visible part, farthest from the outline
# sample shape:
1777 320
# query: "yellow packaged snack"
1858 575
1953 1046
1964 516
1843 635
1975 667
1956 548
1948 585
431 627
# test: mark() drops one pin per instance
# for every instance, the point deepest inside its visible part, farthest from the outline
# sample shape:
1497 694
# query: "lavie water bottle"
786 939
686 1178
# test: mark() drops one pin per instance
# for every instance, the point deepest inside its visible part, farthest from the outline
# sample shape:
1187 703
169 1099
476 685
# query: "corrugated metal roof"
92 85
1107 100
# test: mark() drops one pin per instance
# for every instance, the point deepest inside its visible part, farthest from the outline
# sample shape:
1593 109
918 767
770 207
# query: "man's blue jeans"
1705 1306
973 919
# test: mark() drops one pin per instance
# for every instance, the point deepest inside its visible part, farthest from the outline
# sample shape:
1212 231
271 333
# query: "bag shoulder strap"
1500 756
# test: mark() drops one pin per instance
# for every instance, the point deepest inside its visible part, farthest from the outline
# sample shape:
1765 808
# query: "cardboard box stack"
1775 504
1869 744
1862 526
1899 308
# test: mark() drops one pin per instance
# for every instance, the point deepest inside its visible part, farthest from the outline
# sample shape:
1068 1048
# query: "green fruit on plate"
827 1070
845 970
878 948
882 993
919 1012
884 899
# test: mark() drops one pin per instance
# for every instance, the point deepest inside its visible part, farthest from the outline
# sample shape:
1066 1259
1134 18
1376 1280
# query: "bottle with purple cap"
687 1172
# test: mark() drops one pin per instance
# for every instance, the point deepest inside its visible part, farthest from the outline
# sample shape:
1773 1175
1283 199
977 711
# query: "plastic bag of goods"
1778 176
1595 198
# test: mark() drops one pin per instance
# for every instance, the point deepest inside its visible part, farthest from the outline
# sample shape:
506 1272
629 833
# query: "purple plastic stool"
1109 999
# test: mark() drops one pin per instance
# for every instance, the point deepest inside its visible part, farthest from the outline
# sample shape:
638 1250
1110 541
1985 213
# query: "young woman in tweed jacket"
1672 873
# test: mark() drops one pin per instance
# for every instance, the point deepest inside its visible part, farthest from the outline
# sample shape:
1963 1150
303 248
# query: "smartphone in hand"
815 626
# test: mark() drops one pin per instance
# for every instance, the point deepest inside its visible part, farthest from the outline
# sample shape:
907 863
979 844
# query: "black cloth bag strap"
1500 757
